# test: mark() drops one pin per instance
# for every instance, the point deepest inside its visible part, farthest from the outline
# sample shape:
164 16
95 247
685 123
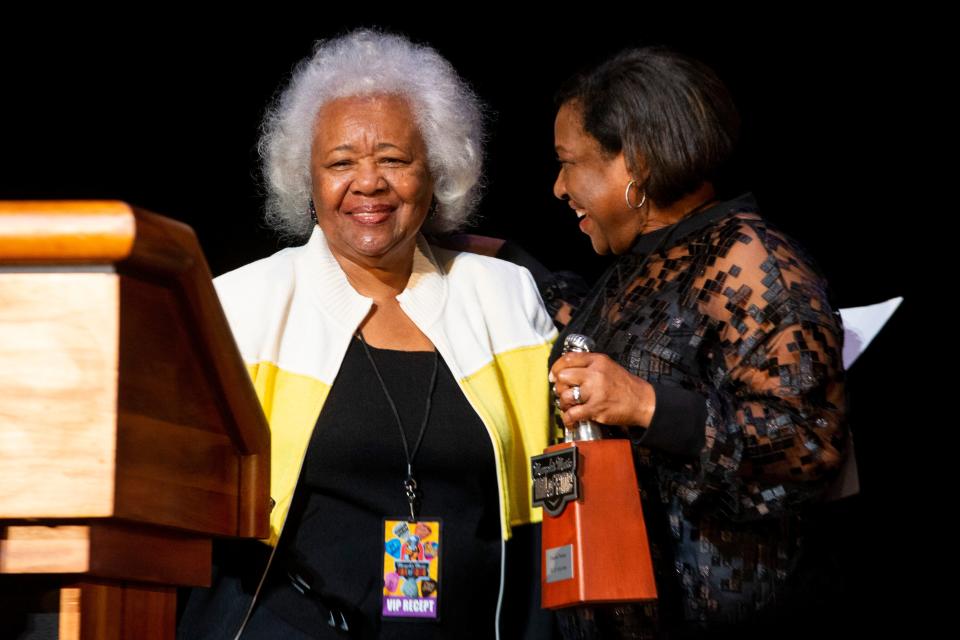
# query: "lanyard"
409 483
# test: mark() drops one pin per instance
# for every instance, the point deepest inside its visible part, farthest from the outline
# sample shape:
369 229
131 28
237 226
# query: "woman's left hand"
609 394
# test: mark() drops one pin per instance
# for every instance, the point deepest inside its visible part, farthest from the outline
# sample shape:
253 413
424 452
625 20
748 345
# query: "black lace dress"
730 322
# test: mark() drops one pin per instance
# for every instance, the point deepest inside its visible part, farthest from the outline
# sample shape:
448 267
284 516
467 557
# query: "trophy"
594 546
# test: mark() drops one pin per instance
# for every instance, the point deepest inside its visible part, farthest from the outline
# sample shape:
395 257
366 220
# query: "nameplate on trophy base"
559 563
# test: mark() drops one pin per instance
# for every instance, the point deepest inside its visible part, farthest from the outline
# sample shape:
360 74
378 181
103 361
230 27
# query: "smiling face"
371 184
593 183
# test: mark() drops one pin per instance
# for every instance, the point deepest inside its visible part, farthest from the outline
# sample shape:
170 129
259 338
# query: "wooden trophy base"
596 549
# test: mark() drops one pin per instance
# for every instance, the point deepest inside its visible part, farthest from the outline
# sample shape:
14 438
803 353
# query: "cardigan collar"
318 270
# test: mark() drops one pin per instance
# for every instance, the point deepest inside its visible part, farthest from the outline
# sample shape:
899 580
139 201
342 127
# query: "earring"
313 211
626 196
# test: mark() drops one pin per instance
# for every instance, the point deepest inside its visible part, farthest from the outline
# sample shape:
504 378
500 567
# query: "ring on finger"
576 394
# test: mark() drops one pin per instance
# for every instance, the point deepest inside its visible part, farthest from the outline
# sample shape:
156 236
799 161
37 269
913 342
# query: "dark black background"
163 112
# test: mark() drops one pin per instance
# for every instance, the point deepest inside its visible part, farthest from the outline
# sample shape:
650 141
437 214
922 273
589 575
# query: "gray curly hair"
365 62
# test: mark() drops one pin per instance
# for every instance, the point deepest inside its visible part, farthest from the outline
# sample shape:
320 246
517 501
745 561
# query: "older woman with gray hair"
405 385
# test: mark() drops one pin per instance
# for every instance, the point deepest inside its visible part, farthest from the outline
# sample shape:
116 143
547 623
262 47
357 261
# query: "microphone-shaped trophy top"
578 342
586 429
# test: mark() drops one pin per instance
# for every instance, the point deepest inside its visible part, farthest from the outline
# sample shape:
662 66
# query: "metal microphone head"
577 342
586 429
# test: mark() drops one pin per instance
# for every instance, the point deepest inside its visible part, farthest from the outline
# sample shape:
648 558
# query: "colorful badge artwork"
411 569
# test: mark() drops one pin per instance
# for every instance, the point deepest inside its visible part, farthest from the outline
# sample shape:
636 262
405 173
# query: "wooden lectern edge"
170 249
40 232
167 248
110 549
8 524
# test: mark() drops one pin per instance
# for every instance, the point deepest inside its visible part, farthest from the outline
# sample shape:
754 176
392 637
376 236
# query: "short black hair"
661 107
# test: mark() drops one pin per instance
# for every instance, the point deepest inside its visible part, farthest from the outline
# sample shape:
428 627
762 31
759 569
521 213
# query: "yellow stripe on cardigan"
513 393
292 403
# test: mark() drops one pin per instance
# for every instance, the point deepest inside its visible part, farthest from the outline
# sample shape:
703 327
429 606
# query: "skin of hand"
609 393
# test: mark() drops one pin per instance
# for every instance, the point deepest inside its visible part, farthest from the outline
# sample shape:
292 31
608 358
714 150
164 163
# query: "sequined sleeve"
774 429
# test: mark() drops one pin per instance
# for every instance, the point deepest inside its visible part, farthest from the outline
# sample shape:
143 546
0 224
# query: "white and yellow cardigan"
293 316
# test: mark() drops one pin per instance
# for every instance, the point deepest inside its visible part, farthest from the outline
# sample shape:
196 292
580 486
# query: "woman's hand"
609 394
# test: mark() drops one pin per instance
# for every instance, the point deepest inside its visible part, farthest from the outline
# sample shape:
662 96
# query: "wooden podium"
130 433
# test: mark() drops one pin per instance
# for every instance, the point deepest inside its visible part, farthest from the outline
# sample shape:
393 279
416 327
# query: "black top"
352 478
730 322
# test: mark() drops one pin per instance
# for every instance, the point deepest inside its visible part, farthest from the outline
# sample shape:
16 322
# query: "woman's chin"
373 248
599 245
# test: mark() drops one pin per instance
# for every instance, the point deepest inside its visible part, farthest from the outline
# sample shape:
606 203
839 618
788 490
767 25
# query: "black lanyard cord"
409 483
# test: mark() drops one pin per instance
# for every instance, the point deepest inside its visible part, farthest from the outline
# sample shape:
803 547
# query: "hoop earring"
626 196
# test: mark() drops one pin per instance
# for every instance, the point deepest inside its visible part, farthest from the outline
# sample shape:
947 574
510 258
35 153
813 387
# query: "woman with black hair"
718 353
